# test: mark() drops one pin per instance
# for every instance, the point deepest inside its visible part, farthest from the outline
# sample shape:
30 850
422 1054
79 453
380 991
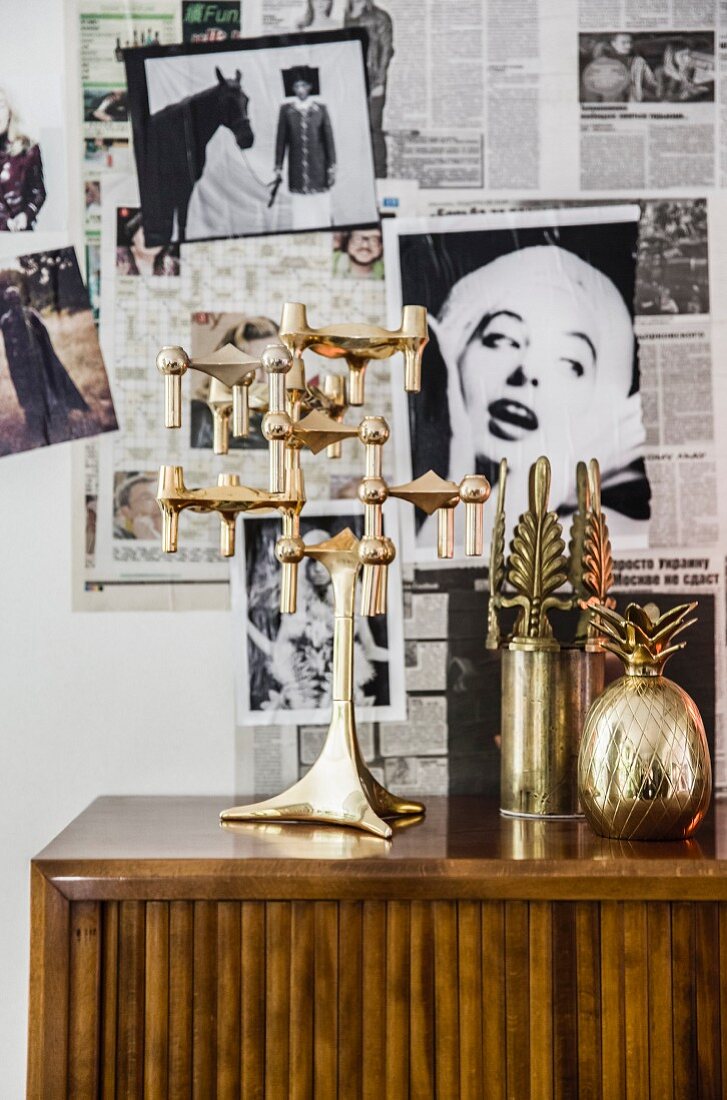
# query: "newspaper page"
105 28
646 80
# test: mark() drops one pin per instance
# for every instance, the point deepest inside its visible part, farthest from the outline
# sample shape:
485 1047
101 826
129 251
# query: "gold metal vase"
546 695
644 771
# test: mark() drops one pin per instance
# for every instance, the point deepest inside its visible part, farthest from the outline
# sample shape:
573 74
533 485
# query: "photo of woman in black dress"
53 384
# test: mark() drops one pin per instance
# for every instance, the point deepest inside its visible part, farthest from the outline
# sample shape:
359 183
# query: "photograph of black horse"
209 159
176 151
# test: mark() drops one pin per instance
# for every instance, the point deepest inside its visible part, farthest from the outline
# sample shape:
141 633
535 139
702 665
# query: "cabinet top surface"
458 834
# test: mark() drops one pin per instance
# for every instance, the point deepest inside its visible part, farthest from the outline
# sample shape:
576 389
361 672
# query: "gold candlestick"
339 788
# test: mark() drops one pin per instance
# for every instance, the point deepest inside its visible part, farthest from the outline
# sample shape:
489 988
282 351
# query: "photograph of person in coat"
305 136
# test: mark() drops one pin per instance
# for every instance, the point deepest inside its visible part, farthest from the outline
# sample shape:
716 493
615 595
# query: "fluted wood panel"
449 999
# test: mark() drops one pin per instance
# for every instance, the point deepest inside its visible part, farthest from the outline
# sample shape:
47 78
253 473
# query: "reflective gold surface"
358 344
644 769
339 788
536 568
546 695
497 563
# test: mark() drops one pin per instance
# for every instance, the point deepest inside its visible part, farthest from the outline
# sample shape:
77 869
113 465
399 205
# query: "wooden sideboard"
473 956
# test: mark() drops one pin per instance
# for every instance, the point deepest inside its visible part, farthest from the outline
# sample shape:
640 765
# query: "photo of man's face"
365 246
137 514
302 89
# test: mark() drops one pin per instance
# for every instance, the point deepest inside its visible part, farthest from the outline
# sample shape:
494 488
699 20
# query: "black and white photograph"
249 333
672 273
621 67
260 136
53 383
133 255
284 663
532 352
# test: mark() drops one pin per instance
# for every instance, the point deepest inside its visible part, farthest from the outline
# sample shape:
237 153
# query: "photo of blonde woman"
22 185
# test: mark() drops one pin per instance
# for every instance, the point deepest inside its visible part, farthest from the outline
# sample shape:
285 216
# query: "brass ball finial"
373 430
172 360
376 550
290 549
474 489
276 359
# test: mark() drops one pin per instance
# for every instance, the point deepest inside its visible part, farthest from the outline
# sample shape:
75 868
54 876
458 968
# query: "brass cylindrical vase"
546 695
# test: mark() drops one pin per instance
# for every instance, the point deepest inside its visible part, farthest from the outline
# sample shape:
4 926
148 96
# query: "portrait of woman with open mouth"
533 353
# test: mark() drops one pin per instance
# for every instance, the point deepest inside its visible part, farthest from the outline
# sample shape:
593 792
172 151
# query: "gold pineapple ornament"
644 771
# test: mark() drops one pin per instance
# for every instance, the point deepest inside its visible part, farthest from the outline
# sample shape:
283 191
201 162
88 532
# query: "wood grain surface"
347 995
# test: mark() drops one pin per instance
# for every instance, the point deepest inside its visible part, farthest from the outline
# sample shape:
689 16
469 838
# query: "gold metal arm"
376 551
334 391
232 372
432 493
172 363
277 424
358 344
318 431
228 498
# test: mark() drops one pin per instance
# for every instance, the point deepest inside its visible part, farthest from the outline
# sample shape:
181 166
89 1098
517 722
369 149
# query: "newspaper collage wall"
547 123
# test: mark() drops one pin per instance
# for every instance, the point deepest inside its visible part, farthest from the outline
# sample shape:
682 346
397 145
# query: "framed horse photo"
252 136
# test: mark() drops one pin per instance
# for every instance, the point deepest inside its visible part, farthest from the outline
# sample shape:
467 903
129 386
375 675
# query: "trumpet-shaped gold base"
339 789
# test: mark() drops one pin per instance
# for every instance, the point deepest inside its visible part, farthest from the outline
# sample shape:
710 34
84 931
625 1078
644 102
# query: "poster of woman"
531 352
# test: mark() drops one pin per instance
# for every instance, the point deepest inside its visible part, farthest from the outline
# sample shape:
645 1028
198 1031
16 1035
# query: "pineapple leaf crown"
643 639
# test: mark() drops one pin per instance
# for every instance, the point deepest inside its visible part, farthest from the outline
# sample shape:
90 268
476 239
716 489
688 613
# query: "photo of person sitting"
305 138
617 73
22 186
109 107
648 67
676 75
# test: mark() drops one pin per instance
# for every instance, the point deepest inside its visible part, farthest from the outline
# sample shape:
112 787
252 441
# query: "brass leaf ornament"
596 559
537 568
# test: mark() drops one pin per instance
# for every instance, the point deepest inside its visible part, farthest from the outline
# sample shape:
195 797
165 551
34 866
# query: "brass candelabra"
339 788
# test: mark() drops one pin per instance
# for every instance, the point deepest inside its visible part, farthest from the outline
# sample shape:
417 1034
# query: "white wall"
92 704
